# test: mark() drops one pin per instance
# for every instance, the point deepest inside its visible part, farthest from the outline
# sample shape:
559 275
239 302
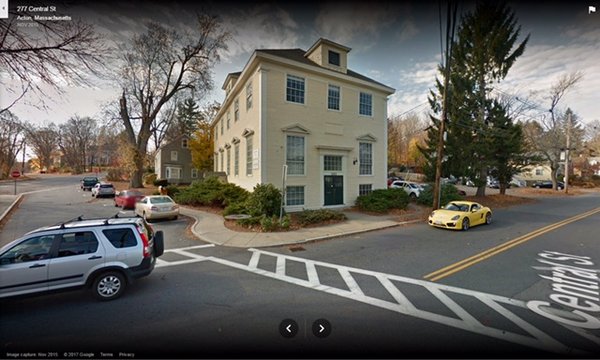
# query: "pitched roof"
298 55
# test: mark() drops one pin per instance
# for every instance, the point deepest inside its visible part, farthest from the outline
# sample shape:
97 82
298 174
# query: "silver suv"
102 254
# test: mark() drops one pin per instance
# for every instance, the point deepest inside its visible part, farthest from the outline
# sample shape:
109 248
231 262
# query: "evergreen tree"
482 55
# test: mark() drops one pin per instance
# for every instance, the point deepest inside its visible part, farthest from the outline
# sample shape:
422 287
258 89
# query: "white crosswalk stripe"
535 337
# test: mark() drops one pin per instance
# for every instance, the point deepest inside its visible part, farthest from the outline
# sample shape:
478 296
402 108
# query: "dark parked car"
127 198
88 182
548 185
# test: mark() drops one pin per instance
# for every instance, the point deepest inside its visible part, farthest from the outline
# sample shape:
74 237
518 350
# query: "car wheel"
466 224
413 196
537 186
109 286
488 218
116 205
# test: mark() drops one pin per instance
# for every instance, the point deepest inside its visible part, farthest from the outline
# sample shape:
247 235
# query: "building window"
236 109
295 155
228 162
366 158
221 127
222 162
184 143
333 98
332 163
173 172
194 173
216 132
365 189
173 155
228 120
216 157
539 172
249 95
249 140
294 195
236 159
295 89
334 58
365 106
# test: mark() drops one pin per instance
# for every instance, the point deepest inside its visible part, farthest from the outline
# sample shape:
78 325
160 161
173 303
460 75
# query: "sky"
395 43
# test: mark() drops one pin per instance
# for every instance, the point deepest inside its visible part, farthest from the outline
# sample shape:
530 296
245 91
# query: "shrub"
115 174
382 200
173 190
235 208
160 182
286 221
264 200
318 216
211 192
251 221
449 193
149 179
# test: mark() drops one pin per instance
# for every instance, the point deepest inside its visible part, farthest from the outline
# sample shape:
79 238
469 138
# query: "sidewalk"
210 228
7 203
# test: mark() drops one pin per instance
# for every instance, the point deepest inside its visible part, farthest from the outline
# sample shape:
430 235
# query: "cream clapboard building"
306 110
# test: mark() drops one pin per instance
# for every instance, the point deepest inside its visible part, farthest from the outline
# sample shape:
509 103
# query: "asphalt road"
210 301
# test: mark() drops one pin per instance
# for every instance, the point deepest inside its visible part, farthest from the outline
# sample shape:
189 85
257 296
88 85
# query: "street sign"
15 173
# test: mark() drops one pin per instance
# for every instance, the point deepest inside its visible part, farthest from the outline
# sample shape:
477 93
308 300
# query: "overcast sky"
397 44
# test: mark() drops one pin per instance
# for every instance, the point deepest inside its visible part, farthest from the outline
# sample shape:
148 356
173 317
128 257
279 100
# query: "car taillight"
154 208
145 242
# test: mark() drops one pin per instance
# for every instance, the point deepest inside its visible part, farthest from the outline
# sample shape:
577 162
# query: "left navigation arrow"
288 328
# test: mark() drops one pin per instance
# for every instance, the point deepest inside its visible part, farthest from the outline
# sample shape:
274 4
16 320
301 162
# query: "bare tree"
158 65
49 52
44 142
11 141
548 135
77 137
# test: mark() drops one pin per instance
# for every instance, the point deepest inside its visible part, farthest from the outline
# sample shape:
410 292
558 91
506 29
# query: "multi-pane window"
236 159
539 172
333 97
294 195
332 163
365 189
228 161
366 158
173 155
249 95
221 127
365 106
334 58
173 172
228 120
194 173
236 109
184 143
222 162
295 89
216 157
295 155
249 150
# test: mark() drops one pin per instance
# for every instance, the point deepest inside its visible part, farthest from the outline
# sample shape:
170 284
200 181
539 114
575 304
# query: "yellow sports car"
460 215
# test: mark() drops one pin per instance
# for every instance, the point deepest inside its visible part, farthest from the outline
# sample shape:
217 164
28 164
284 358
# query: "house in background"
173 162
307 111
535 173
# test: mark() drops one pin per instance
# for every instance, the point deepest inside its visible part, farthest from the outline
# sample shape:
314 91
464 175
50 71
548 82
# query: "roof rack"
62 223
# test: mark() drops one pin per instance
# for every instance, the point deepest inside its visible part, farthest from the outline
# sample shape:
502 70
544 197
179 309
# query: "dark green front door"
334 190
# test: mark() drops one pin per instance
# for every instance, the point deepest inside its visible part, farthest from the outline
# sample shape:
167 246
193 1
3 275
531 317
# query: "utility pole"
567 152
23 164
437 191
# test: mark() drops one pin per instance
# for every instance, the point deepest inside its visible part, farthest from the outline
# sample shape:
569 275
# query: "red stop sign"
15 174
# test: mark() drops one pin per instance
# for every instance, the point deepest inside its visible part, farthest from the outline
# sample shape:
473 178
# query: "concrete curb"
296 242
10 207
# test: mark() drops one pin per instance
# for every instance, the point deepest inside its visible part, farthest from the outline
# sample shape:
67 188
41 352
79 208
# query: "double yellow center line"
458 266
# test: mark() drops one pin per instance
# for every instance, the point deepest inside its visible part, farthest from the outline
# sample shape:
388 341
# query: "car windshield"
457 207
104 186
161 200
90 179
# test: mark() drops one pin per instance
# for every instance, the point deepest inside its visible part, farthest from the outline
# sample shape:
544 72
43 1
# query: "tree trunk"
136 180
482 176
502 189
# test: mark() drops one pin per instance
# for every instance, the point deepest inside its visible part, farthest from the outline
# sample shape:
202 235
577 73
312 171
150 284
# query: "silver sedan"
157 207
